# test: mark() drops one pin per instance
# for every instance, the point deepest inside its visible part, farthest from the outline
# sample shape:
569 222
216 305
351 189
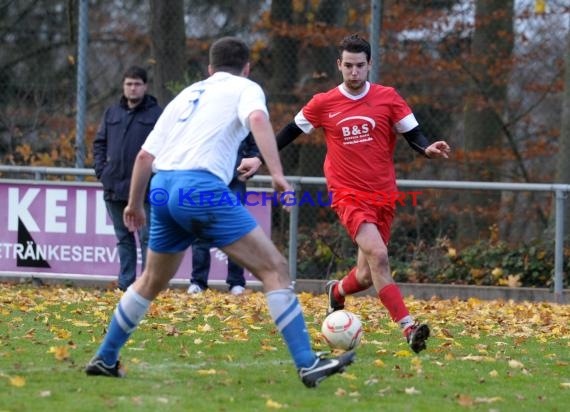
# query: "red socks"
391 298
349 285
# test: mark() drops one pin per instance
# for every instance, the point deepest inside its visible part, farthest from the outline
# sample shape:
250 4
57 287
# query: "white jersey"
202 128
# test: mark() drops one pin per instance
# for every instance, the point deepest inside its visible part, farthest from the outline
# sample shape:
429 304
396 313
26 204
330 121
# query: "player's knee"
379 256
364 277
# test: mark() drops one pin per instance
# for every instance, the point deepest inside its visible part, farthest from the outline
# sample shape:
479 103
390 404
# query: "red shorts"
353 214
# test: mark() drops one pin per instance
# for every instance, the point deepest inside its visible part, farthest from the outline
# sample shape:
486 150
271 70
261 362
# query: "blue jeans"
126 243
201 255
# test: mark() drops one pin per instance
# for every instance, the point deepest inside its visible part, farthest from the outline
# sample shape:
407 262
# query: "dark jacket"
247 148
120 137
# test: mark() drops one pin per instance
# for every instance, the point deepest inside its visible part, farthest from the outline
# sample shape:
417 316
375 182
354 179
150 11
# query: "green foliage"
326 251
486 262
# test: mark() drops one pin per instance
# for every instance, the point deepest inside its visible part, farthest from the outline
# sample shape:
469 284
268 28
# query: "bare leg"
373 263
160 268
258 254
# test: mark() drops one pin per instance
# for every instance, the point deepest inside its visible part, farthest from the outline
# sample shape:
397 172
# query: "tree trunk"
489 68
168 42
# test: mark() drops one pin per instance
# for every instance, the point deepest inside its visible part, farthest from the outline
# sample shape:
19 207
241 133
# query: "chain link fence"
485 75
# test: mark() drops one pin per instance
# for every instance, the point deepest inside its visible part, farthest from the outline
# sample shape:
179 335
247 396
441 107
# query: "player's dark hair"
355 44
135 72
229 54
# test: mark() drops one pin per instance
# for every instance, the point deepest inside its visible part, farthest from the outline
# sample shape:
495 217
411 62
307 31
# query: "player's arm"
285 136
265 139
100 148
134 214
417 140
288 134
421 144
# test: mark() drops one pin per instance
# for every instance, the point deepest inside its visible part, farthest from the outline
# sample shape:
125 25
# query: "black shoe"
96 366
334 305
417 337
325 367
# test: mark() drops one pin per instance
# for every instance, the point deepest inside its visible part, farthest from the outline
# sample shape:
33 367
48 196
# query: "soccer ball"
342 330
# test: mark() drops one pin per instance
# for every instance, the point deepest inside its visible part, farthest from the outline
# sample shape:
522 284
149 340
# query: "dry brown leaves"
79 309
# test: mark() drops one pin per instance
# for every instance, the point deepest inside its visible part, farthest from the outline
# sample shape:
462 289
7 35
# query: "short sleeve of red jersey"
403 117
311 113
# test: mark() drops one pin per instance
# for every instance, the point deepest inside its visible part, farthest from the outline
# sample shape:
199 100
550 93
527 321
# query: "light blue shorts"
191 205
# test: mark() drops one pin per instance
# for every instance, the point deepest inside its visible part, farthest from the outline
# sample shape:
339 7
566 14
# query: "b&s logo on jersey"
356 129
63 228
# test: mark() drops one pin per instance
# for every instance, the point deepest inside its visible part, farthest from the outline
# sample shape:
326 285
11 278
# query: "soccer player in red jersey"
360 121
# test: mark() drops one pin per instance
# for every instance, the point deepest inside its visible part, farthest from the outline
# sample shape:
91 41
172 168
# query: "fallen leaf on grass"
514 364
412 391
273 405
383 392
30 333
565 385
465 400
488 400
416 364
205 328
18 381
403 354
60 352
340 392
478 358
207 372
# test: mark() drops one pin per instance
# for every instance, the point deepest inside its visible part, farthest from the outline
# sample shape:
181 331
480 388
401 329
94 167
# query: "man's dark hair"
135 72
355 44
229 54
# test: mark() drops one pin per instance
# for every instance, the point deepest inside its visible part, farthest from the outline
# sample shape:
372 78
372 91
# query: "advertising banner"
62 228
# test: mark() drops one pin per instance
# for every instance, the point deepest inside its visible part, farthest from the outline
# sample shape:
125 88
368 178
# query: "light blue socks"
129 312
288 316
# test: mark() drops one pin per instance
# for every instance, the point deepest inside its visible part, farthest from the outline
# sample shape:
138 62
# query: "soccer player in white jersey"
193 150
360 121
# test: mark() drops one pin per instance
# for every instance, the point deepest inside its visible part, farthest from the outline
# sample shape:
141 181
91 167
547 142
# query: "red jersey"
360 133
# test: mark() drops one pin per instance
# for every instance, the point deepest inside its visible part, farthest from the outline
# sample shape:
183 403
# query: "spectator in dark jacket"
123 130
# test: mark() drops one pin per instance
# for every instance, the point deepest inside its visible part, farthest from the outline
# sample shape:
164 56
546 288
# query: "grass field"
218 352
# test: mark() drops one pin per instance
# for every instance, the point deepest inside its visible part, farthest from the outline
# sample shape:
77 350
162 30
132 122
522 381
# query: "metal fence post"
83 28
293 229
559 245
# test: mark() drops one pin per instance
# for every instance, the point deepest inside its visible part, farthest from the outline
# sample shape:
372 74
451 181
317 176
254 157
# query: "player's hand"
438 149
134 218
248 167
284 190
